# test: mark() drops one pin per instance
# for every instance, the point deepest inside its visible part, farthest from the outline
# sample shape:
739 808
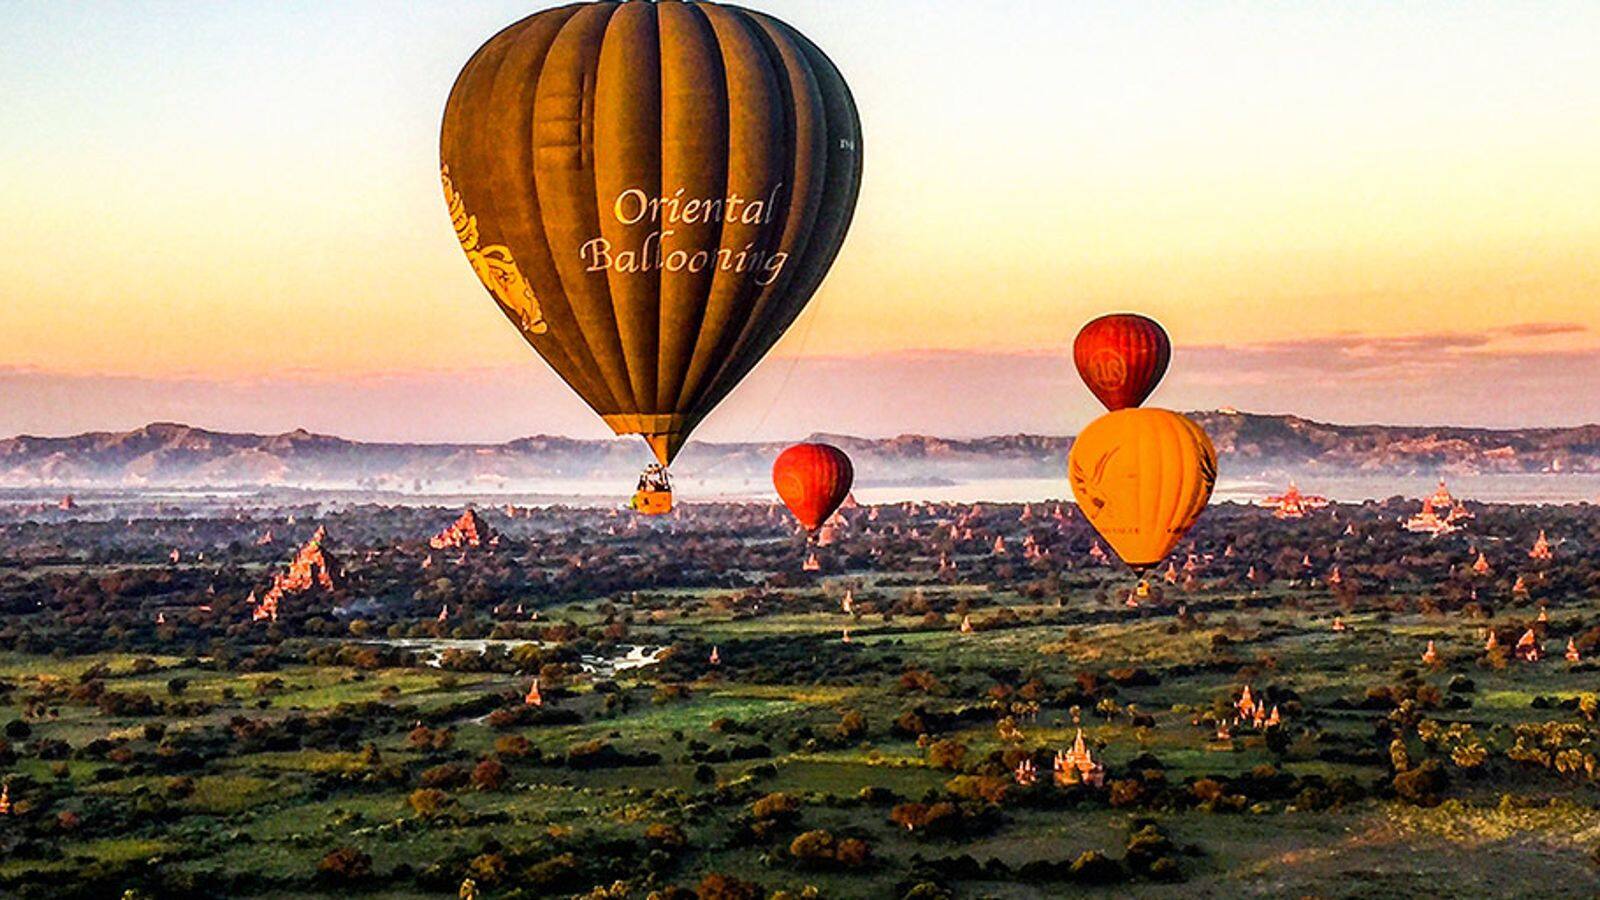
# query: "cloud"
1542 329
1408 356
1521 376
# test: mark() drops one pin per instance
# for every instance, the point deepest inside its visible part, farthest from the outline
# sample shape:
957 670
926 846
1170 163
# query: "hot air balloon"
1142 477
653 497
651 192
1122 357
812 480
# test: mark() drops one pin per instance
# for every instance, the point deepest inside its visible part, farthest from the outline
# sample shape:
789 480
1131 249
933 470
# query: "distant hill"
170 455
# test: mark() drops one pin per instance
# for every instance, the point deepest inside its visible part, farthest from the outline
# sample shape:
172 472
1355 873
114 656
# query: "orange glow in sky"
251 192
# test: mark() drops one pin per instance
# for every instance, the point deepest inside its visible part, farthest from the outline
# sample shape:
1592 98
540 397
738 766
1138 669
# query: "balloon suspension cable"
810 317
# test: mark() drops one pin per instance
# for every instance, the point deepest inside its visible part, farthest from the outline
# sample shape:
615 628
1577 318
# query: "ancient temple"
1572 651
1441 496
467 531
1541 549
1528 647
1428 521
1246 704
533 697
1481 566
1026 772
266 610
313 567
1430 656
1078 766
1292 504
5 799
812 564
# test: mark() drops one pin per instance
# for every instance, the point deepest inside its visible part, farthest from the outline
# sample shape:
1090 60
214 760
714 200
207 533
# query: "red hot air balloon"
812 479
1122 357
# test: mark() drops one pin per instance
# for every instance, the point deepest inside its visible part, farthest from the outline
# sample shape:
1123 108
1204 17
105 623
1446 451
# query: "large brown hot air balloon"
812 480
1142 477
1122 357
651 192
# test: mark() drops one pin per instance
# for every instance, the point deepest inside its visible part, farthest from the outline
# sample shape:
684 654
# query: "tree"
429 803
946 754
717 886
776 806
813 848
345 866
1422 784
488 775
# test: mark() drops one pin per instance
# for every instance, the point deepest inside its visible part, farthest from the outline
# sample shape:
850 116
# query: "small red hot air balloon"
1122 357
812 479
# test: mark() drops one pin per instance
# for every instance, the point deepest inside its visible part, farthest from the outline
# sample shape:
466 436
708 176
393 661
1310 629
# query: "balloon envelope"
1142 477
651 192
1121 357
812 480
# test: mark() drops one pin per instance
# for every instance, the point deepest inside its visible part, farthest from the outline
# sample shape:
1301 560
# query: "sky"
228 214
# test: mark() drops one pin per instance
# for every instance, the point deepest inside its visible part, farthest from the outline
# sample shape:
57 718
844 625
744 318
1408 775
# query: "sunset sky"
228 214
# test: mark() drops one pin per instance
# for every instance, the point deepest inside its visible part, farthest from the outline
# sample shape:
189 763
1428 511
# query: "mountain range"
1249 446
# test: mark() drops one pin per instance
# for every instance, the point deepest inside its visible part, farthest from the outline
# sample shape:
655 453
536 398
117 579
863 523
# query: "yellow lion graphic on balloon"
495 266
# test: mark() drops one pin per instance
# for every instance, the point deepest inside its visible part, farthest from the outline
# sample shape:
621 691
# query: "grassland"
245 782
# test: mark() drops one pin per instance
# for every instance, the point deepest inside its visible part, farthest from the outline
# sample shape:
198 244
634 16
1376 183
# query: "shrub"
813 848
666 834
345 866
449 775
717 886
776 806
1423 784
1094 867
512 746
488 775
946 754
428 803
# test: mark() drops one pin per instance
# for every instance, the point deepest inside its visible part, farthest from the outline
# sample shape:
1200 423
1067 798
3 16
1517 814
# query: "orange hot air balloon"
1122 357
651 192
1142 477
812 479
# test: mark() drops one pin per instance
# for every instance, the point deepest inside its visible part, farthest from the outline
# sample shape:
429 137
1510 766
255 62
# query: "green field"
190 774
